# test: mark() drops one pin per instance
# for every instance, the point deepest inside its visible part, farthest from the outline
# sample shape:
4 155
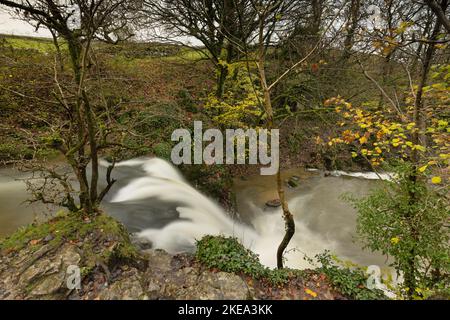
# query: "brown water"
14 212
323 220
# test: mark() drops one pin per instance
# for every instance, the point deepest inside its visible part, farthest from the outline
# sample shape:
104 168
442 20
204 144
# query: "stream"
152 199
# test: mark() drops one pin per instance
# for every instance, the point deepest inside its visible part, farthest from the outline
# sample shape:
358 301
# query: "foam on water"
199 216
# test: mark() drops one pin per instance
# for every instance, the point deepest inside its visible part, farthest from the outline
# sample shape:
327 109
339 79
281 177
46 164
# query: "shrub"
352 282
228 255
406 220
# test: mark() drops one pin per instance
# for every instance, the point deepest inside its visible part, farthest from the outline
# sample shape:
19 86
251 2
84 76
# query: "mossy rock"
39 255
89 234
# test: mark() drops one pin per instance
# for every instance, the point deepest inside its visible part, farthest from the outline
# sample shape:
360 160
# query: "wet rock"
178 277
27 258
69 255
159 261
43 275
39 269
49 285
38 274
127 288
230 286
154 289
189 284
273 203
141 243
293 182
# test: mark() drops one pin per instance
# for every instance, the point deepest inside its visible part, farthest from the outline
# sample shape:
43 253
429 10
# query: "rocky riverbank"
36 261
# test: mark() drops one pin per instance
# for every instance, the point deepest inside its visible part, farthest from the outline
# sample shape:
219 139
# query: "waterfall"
198 215
323 220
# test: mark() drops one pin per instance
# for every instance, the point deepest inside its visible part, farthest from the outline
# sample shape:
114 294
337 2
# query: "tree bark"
351 28
439 11
287 215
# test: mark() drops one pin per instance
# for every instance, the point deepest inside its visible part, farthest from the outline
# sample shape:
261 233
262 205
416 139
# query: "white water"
152 198
199 216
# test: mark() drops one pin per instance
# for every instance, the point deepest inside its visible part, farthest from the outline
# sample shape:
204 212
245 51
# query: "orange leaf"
35 242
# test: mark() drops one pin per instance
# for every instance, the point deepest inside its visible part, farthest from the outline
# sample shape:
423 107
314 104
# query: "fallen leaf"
310 292
35 242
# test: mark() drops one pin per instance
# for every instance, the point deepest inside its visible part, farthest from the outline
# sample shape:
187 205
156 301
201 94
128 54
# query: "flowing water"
14 212
152 198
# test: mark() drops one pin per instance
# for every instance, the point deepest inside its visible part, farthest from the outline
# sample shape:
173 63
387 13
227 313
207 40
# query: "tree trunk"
351 28
85 127
222 77
417 139
287 215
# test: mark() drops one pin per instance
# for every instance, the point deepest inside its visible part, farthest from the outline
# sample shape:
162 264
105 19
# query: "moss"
228 255
162 150
101 239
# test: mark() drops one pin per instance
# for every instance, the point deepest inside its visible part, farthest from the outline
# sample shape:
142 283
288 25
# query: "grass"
187 55
43 45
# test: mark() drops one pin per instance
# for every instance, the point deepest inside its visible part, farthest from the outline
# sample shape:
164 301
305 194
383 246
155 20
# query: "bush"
351 282
14 151
405 219
228 255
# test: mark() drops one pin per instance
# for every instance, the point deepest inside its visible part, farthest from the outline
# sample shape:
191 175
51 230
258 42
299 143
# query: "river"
152 198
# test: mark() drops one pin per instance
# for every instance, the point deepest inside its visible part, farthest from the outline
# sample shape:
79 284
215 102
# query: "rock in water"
140 242
275 203
293 182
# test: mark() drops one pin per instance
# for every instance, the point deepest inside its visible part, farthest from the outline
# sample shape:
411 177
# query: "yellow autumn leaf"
436 180
311 293
420 148
422 169
395 142
363 140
